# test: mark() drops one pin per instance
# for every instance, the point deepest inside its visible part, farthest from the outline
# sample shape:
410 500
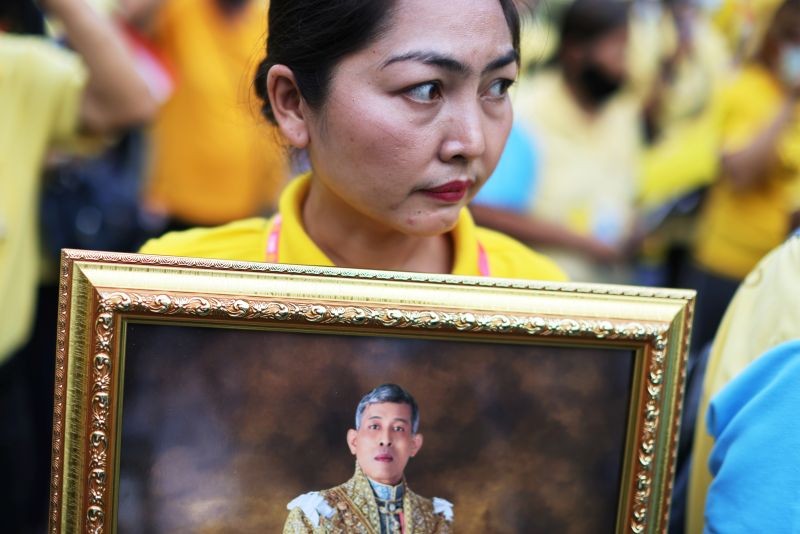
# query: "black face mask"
597 84
231 6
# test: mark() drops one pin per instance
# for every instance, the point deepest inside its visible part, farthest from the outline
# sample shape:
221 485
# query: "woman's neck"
351 239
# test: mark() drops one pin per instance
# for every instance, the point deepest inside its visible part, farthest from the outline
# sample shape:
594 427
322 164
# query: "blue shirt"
755 421
512 184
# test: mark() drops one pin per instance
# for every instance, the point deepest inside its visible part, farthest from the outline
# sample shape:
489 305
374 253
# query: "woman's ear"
288 105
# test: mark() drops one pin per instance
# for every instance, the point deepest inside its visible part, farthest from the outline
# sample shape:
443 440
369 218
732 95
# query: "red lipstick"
449 192
384 458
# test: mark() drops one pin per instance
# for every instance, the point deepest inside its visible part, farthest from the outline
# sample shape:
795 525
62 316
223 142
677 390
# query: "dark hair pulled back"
312 36
21 16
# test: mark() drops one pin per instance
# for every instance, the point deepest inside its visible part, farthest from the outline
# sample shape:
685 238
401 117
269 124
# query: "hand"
621 252
603 252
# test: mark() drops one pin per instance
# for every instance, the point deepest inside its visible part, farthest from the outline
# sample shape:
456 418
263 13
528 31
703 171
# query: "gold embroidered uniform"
352 508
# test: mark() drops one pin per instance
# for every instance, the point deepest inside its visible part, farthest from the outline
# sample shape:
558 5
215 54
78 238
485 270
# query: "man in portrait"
377 499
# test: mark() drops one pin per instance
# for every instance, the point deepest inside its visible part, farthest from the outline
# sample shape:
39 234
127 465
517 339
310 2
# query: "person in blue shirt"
756 486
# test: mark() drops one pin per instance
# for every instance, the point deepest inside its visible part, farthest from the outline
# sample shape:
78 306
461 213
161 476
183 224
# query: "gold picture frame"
506 371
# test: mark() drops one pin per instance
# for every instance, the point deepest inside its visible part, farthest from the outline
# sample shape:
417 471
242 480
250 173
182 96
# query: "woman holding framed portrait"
403 112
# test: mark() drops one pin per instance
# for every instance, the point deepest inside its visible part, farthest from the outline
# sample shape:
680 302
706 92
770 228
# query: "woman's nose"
464 135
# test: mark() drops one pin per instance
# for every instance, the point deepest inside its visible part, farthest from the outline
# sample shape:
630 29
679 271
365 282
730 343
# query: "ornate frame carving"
99 290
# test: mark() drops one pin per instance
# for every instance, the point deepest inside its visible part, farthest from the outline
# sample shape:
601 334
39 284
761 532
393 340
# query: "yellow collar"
295 246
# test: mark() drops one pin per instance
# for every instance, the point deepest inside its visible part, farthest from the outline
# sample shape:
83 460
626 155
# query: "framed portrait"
203 395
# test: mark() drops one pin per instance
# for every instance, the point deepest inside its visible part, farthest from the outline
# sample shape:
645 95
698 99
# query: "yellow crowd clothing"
697 74
214 158
737 228
763 314
744 23
649 39
247 241
588 177
684 157
41 88
538 42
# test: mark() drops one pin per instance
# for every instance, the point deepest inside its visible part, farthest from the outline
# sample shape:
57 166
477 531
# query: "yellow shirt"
215 159
737 229
247 241
744 23
763 314
40 96
685 156
588 175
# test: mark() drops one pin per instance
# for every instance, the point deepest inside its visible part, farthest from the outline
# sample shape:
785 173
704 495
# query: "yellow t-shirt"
215 159
40 96
588 172
685 156
247 241
763 314
737 229
744 23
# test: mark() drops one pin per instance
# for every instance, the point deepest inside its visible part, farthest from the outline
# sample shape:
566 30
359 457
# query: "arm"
542 233
749 166
115 95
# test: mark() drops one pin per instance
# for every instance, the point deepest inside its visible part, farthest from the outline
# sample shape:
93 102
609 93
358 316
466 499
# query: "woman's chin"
430 226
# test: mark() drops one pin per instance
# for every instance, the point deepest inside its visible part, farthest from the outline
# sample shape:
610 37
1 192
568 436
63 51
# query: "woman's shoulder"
508 258
243 240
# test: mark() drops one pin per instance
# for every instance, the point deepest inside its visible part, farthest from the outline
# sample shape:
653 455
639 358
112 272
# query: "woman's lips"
449 192
384 458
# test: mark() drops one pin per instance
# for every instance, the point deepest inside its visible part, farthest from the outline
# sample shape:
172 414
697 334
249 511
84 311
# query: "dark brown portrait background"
222 428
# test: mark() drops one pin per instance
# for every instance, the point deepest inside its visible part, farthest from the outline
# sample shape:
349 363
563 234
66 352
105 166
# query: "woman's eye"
499 88
426 92
399 429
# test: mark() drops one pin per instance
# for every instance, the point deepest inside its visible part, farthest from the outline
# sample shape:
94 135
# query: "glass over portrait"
221 428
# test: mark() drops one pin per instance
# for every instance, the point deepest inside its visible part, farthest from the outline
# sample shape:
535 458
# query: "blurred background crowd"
656 142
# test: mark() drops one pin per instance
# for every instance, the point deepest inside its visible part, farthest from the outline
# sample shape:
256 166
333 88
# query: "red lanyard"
274 239
483 261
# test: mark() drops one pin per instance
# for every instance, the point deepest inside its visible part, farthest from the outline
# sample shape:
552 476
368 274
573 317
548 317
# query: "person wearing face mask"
586 126
750 207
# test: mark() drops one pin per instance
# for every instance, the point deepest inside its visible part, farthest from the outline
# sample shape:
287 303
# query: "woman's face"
415 123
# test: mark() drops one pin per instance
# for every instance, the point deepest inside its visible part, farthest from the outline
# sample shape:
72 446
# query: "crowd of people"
651 142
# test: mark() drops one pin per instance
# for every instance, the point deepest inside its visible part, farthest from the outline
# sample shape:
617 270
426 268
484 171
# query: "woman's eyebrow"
512 56
449 63
430 58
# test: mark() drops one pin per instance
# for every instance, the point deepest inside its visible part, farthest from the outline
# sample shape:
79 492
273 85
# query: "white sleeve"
313 505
